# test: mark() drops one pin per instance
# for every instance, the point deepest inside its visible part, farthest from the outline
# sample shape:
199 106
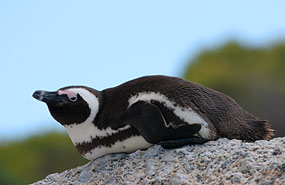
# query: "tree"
254 77
24 162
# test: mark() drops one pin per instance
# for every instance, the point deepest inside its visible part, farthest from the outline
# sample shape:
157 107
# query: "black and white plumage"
149 110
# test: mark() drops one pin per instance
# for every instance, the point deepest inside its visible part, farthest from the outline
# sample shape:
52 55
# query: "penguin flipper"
148 119
182 142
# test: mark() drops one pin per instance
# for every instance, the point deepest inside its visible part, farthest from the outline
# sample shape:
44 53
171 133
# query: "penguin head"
72 104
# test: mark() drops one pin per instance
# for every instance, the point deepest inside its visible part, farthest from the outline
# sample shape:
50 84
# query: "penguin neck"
86 130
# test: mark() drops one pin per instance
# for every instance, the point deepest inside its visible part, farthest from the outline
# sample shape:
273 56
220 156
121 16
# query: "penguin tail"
263 130
269 132
249 131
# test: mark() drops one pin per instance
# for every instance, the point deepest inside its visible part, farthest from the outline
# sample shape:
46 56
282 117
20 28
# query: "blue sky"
51 44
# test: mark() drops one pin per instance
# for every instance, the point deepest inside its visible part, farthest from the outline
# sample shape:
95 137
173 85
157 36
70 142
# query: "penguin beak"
49 97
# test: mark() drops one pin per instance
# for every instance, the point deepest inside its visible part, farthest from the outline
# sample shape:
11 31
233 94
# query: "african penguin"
149 110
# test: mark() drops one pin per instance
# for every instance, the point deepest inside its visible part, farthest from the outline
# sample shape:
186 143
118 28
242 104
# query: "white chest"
129 145
86 131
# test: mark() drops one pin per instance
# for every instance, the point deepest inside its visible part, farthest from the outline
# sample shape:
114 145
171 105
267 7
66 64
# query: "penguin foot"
182 142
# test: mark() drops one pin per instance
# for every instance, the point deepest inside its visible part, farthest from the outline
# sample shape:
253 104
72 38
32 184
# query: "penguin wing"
149 120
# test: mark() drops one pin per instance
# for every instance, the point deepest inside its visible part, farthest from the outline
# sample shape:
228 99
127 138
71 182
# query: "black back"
218 109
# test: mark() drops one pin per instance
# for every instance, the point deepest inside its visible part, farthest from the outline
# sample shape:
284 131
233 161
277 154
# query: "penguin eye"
73 98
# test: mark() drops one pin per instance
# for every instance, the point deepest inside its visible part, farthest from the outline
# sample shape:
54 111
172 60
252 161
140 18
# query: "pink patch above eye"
69 94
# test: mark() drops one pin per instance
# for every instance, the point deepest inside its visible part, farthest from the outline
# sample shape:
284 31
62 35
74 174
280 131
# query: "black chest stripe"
106 141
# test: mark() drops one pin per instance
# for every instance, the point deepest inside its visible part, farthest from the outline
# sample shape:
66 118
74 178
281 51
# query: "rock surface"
216 162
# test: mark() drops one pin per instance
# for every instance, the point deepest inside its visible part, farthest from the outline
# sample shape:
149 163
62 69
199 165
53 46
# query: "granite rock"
216 162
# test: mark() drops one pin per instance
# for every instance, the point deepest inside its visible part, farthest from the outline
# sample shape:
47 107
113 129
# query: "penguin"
163 110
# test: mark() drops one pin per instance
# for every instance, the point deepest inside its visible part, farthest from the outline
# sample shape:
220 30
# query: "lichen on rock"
216 162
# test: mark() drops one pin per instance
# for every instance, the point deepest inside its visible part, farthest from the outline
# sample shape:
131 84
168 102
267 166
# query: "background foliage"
27 161
254 77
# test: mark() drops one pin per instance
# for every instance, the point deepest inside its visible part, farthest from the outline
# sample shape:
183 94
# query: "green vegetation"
254 77
27 161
